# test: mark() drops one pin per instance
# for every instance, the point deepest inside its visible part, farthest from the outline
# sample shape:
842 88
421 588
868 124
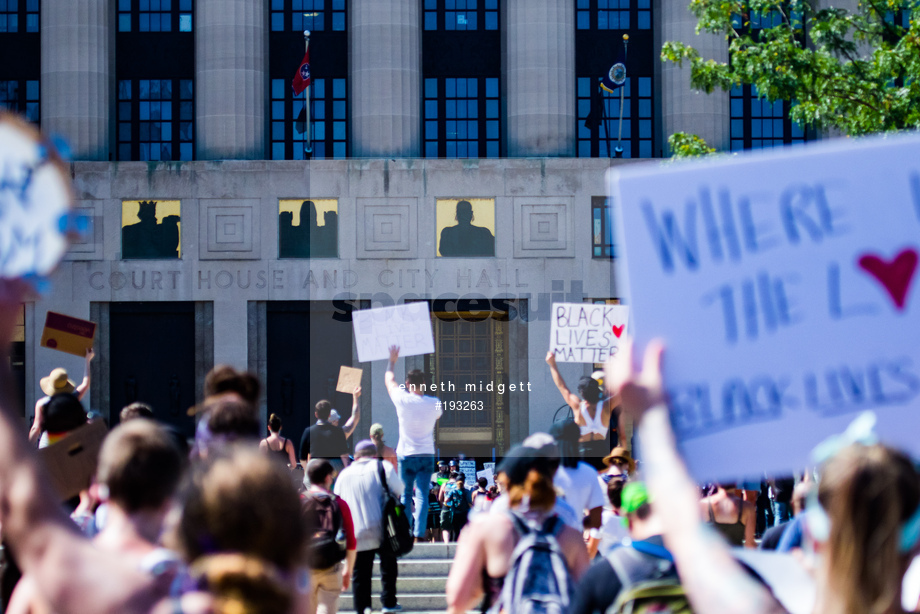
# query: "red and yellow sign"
67 334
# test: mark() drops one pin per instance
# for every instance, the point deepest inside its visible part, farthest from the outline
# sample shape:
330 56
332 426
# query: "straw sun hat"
57 383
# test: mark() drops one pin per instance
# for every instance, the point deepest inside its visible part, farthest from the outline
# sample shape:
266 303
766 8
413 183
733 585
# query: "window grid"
154 15
462 117
313 15
638 129
158 122
613 14
19 16
463 15
601 227
329 120
21 97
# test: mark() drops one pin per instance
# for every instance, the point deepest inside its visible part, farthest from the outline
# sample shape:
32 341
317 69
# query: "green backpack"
650 583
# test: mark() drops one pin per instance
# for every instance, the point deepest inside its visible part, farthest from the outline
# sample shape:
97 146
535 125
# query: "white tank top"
595 424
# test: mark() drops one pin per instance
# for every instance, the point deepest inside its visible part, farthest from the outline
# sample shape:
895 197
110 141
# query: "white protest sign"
35 200
407 326
784 287
583 332
488 474
468 469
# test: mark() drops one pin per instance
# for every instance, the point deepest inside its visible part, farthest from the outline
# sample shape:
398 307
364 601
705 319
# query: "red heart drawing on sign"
618 330
895 275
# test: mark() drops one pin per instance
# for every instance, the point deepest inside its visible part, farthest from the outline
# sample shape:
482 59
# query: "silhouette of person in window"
308 239
287 235
464 239
148 239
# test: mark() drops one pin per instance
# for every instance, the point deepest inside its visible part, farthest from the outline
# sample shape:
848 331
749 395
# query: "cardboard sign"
35 201
407 326
784 285
582 332
349 379
468 469
67 334
71 462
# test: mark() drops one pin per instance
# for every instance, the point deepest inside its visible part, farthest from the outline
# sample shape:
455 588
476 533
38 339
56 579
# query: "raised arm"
352 422
84 385
572 399
390 377
714 581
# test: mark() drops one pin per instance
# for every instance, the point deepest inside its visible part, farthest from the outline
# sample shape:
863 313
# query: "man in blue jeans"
417 415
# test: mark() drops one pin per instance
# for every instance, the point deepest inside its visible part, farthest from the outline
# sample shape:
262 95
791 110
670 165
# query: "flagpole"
308 135
619 150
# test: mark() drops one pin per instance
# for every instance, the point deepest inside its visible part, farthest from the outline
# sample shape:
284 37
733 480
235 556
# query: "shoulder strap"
712 516
653 550
383 477
740 510
519 524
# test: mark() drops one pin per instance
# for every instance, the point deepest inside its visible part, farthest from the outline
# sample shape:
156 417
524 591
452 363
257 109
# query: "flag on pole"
615 77
303 78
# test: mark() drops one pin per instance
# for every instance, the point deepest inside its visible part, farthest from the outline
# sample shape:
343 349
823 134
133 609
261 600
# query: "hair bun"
243 584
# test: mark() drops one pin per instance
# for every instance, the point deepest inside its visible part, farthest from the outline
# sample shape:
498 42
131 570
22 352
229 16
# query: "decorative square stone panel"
88 246
543 227
387 227
229 229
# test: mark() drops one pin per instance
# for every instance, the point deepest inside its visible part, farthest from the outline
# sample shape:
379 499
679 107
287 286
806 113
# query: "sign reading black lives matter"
784 287
35 200
582 332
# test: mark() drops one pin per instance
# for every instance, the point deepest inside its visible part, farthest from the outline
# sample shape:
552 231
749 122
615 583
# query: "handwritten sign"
784 285
582 332
407 326
488 474
68 334
468 469
35 201
349 379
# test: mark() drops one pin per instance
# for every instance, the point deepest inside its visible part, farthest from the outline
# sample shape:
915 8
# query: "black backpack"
397 536
322 517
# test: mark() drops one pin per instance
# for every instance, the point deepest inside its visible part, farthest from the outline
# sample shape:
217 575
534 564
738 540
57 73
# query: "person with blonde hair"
864 523
383 450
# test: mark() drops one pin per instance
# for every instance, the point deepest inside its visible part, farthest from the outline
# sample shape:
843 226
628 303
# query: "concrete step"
409 568
423 602
414 586
432 551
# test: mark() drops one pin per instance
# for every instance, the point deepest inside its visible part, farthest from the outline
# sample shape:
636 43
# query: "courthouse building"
458 157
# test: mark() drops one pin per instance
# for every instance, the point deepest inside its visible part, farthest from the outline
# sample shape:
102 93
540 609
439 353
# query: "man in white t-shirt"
417 415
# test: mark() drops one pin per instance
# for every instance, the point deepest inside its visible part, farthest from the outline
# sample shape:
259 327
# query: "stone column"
385 43
231 79
683 108
77 51
540 77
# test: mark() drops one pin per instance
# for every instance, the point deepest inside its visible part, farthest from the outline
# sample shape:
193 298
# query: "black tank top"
733 532
281 454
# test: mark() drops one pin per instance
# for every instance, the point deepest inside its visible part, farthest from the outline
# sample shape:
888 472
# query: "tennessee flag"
302 78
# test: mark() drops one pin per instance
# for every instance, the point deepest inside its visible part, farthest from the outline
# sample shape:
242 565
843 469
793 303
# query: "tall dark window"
461 64
461 15
18 16
327 21
156 119
601 228
756 122
462 117
20 46
600 26
155 71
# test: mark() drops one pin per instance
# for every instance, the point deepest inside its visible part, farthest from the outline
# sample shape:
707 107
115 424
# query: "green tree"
858 73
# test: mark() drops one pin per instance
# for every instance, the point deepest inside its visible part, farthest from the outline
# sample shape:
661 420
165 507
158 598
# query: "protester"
789 533
481 490
593 415
575 479
135 410
642 559
865 521
484 552
139 470
730 515
352 423
224 378
781 498
57 382
613 530
277 446
417 415
361 487
323 440
332 546
455 506
383 450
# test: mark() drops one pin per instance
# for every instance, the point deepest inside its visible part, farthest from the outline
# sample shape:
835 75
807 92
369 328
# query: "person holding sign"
56 383
593 415
864 522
